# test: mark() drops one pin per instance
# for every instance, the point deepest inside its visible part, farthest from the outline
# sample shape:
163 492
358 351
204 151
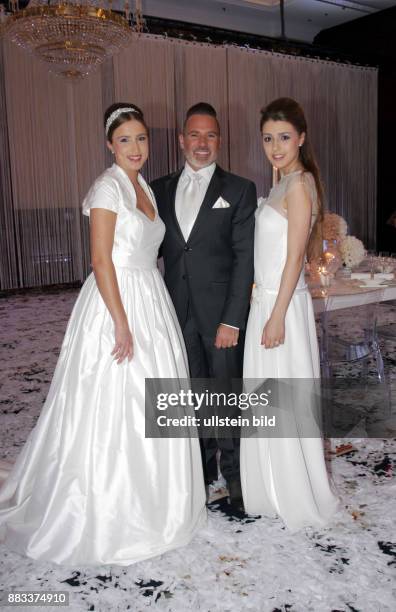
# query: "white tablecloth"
344 294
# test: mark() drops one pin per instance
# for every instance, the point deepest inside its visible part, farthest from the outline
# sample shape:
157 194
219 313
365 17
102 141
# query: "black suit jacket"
213 270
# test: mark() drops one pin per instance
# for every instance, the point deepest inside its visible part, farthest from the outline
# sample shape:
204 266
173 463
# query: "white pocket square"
220 203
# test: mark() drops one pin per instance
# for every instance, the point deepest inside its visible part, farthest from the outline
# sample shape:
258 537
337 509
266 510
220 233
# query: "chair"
387 331
350 335
348 343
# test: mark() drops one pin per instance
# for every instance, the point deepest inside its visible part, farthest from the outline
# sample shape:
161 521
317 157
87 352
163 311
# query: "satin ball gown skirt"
88 488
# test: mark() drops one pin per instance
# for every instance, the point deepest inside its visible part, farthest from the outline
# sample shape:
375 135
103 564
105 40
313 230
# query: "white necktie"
190 204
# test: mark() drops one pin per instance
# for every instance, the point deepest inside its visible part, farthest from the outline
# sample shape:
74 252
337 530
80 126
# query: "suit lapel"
212 194
171 190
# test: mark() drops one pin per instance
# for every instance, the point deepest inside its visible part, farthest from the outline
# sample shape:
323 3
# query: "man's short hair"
202 108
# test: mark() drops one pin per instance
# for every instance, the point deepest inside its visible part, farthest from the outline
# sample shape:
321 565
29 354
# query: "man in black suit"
208 258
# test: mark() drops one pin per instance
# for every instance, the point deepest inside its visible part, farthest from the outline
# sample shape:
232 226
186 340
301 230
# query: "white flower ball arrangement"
352 251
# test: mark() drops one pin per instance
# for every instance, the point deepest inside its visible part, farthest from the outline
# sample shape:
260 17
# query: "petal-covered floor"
236 562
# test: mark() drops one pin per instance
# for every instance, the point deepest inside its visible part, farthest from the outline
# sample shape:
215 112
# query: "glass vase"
344 272
331 257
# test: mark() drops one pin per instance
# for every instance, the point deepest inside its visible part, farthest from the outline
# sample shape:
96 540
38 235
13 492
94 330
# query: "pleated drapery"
52 139
340 104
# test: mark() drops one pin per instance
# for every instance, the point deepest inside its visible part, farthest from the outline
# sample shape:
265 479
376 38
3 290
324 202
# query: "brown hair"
287 109
136 114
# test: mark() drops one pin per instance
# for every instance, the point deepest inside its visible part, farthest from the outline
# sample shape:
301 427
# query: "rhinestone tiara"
117 113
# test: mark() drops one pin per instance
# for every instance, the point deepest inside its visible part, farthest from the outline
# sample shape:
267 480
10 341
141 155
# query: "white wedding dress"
88 488
283 476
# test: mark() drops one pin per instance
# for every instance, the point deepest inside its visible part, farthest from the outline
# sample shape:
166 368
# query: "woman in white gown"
285 476
88 487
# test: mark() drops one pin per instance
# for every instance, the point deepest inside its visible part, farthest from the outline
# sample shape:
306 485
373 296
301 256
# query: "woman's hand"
123 347
273 332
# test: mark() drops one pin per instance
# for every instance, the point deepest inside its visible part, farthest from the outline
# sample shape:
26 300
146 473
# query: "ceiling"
304 19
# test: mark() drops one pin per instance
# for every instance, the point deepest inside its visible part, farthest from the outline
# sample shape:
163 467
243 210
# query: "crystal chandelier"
73 37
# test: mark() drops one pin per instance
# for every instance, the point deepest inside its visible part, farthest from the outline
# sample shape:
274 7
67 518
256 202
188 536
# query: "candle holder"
324 277
331 256
314 269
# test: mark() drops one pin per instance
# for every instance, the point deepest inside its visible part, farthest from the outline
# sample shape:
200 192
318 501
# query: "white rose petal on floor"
236 562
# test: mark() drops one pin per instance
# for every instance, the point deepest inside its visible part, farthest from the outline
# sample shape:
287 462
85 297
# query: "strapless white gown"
283 476
88 488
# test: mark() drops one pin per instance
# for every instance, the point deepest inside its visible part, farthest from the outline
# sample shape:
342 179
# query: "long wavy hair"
287 109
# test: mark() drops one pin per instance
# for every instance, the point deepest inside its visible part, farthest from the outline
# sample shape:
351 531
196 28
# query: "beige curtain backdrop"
55 151
144 74
8 259
201 75
53 145
340 104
